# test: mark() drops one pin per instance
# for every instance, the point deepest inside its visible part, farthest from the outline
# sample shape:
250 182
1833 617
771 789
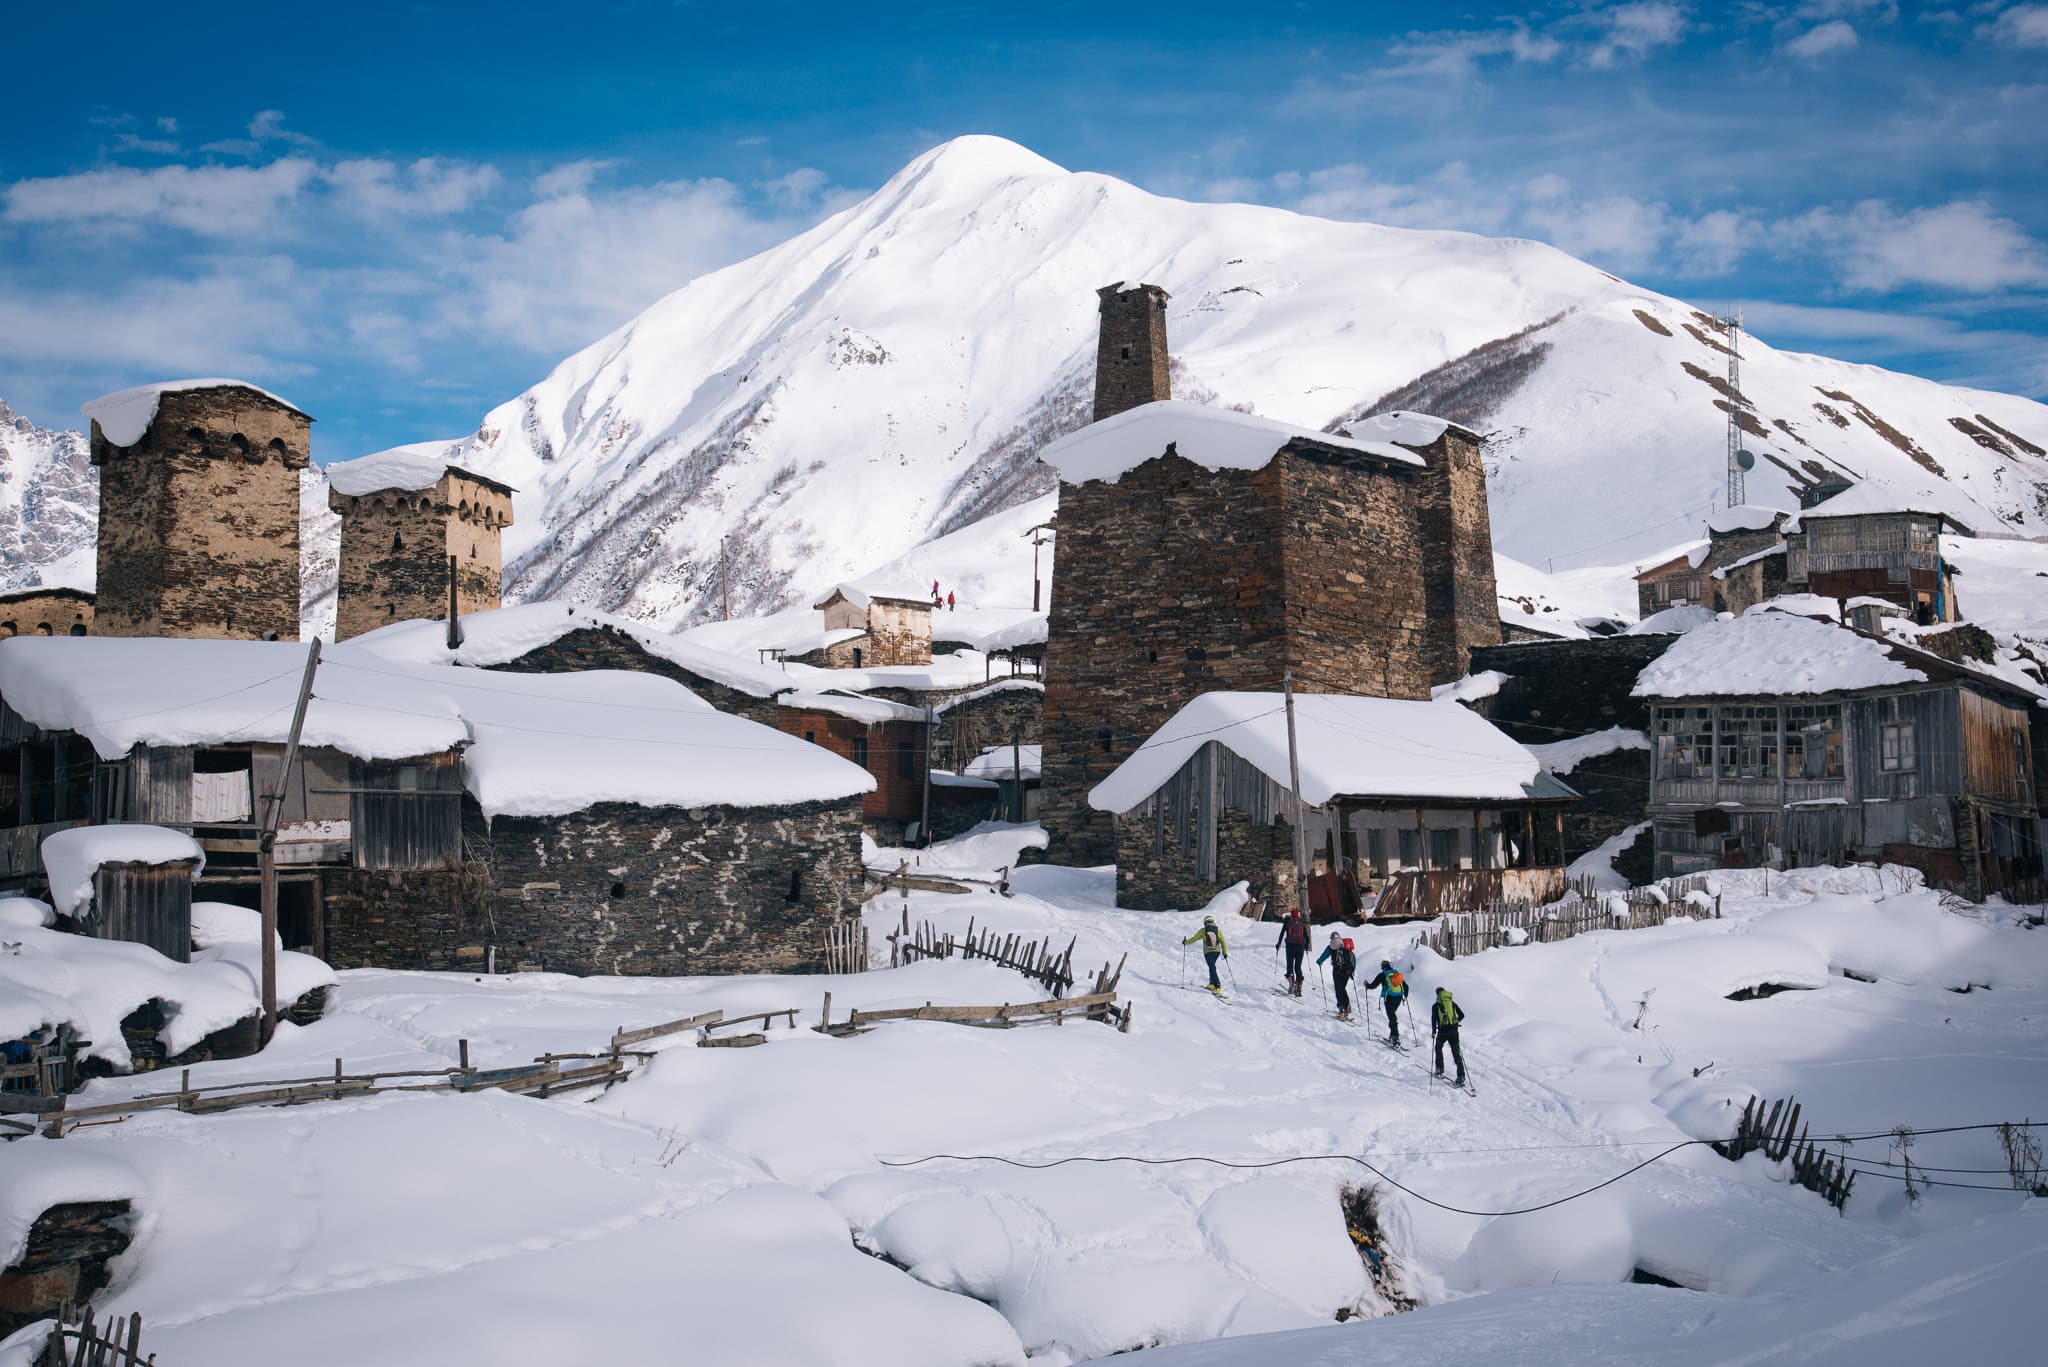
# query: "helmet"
1335 938
1208 920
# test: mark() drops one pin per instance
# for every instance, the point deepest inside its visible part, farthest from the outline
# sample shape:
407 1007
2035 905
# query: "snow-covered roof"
1563 756
125 415
1471 688
1673 621
1772 654
889 593
853 706
1874 497
1349 747
1745 517
991 629
1002 761
501 635
71 857
409 468
1009 685
537 744
1765 554
1214 438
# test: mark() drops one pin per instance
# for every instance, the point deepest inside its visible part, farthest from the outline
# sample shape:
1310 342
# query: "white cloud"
799 189
1628 33
1817 42
571 178
2022 26
225 201
429 186
1964 246
1447 198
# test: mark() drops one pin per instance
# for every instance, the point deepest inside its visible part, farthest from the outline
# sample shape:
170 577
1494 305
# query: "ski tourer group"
1445 1015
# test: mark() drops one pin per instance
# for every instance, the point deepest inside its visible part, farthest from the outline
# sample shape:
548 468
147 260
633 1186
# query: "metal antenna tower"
1739 460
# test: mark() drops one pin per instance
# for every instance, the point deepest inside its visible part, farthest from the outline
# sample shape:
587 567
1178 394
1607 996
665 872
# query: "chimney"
1130 352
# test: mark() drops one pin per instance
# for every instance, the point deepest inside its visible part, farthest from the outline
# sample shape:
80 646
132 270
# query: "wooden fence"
547 1075
1772 1134
1584 908
117 1343
846 947
1096 1006
1035 959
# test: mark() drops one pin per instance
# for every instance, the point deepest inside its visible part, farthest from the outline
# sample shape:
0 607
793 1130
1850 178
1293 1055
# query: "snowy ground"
725 1197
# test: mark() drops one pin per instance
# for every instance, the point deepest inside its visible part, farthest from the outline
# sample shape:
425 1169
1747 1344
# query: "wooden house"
1743 552
130 883
1425 802
1873 542
1783 741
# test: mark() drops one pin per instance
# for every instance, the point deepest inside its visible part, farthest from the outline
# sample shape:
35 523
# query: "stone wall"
900 632
396 546
46 612
199 520
588 648
64 1263
1614 794
1740 589
1131 361
972 724
1559 689
1461 601
1149 881
615 889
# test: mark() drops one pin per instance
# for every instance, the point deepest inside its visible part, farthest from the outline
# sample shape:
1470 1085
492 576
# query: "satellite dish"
1745 460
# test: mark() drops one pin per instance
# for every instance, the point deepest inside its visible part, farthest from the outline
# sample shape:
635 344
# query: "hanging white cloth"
220 798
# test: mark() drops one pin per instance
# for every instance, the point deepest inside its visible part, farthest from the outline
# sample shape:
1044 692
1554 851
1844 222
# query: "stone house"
450 818
199 511
1204 549
46 612
1748 537
1869 541
867 628
1783 741
567 638
410 523
1425 802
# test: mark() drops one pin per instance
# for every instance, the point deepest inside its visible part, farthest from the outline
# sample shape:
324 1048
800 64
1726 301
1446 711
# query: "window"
1813 743
1895 751
1443 849
1749 743
1376 851
860 751
1125 353
810 737
906 760
856 657
1685 742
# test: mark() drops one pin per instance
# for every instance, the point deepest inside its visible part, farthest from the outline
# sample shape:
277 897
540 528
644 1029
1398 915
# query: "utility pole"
1294 782
924 824
1017 768
724 586
1039 535
266 841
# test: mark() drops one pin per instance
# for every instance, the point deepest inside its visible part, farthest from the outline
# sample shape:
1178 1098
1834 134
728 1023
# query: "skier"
1443 1025
1213 949
1343 963
1294 939
950 604
1393 991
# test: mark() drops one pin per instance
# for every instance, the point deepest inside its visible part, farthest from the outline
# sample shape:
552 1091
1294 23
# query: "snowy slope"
49 506
833 402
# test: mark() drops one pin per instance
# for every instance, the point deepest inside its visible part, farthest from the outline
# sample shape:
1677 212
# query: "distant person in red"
950 604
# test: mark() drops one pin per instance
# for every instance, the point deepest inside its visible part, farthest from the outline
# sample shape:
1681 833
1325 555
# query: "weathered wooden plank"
627 1037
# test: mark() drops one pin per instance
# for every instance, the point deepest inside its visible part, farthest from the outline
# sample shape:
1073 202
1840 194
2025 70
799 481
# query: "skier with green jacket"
1444 1017
1213 948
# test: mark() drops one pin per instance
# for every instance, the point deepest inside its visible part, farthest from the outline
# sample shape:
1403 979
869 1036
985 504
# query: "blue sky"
401 215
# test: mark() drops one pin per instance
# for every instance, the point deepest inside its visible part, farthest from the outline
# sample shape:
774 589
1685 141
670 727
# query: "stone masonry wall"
972 725
1147 881
1559 689
199 520
395 548
615 889
596 648
1456 535
52 612
899 633
1131 362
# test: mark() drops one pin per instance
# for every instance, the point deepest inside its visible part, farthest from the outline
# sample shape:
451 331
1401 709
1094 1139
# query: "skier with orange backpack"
1343 963
1393 991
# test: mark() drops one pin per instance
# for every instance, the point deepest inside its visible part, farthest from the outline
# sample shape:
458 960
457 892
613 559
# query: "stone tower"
1130 349
404 520
199 511
1359 562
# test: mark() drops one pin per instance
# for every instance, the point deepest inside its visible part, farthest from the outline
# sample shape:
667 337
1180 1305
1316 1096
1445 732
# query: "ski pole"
1231 971
1183 964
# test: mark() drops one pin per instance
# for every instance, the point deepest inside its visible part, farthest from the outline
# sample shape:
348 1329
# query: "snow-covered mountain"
886 377
49 506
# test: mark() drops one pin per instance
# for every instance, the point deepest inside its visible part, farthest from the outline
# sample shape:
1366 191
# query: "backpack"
1349 948
1397 986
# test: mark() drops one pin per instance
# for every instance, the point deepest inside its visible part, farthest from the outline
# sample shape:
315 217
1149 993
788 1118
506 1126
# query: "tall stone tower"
1357 562
199 511
1130 349
405 522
